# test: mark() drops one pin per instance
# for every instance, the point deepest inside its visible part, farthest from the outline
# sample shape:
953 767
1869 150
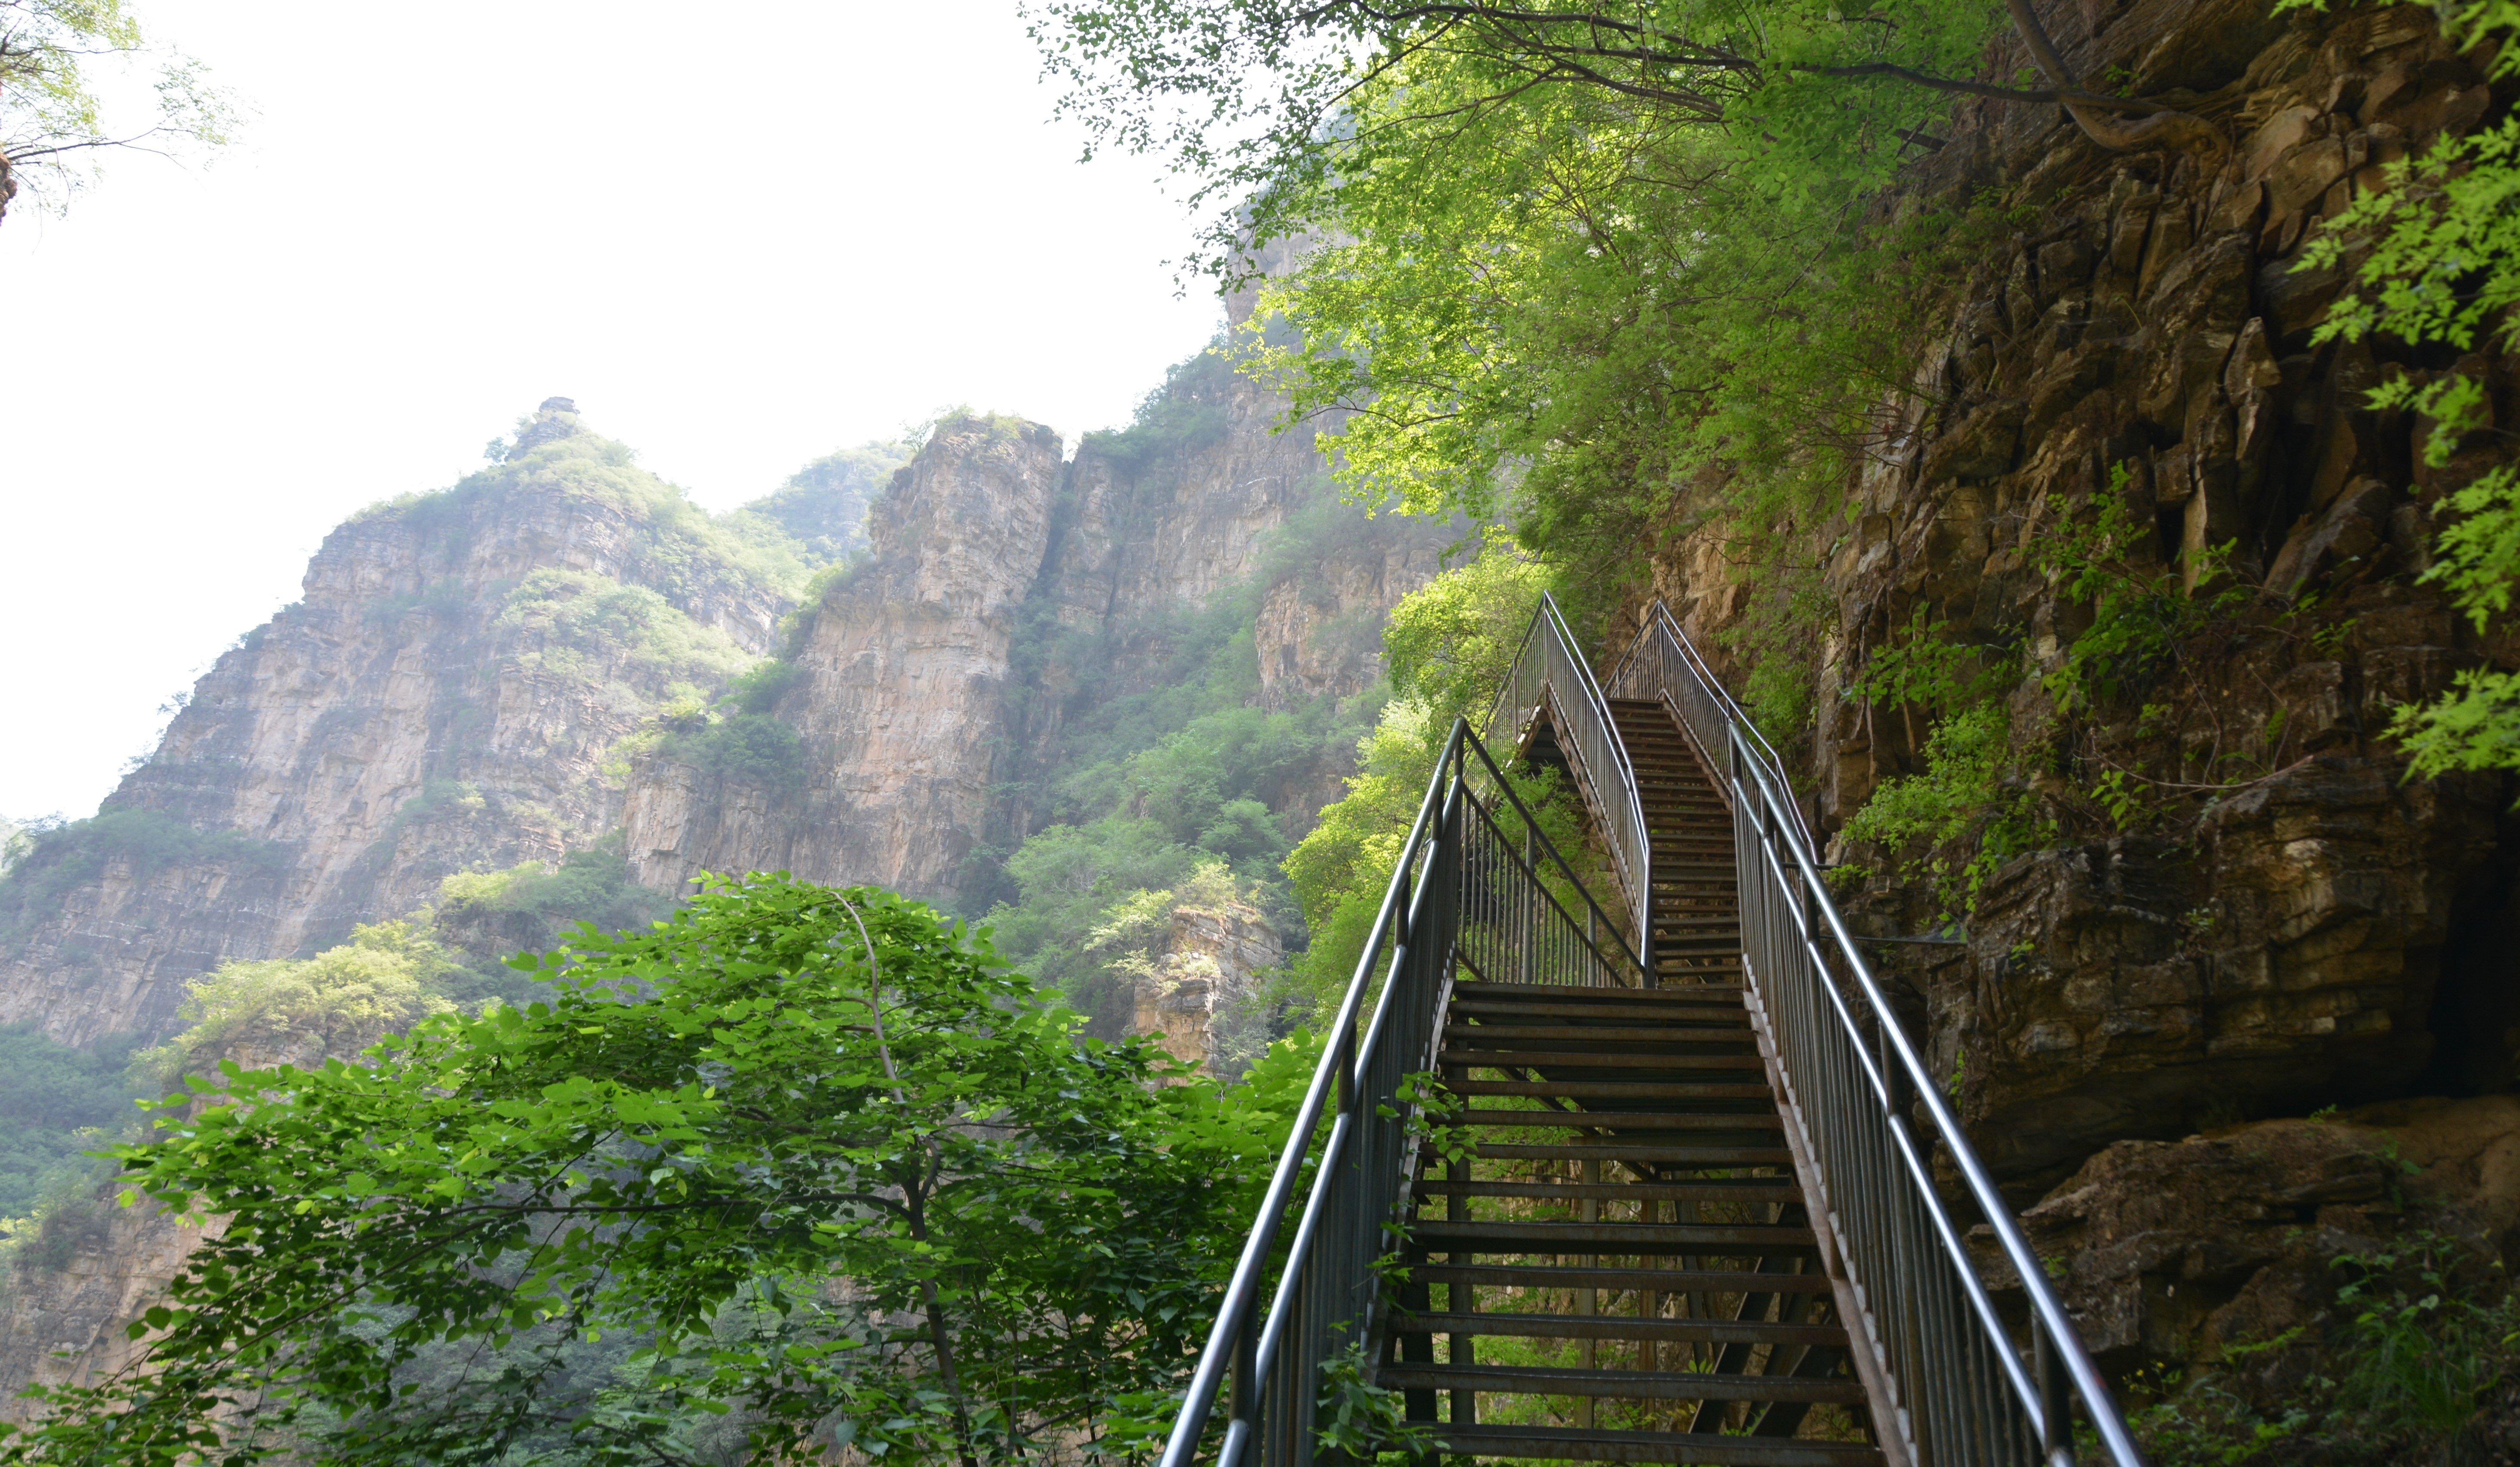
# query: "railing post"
1530 906
2056 1395
1897 1094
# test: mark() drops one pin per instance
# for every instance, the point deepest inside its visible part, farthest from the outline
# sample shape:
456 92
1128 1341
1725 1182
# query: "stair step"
1495 989
1536 1008
1612 1090
1503 1059
1593 1034
1621 1119
1616 1327
1778 1189
1616 1150
1641 1280
1631 1385
1609 1237
1573 1444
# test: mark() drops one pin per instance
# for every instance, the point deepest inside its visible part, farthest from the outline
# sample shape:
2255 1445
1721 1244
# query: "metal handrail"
1661 662
1461 891
1550 671
1948 1386
1960 1389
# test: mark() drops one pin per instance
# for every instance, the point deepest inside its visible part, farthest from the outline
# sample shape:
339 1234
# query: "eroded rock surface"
2297 924
445 695
2200 1248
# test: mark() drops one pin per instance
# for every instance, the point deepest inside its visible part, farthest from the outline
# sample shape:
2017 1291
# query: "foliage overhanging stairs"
1653 1185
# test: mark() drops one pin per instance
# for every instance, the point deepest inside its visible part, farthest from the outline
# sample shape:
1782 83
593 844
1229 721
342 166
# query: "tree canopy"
53 127
832 1173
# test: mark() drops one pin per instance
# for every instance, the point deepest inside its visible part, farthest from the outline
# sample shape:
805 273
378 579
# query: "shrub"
49 1094
382 981
754 748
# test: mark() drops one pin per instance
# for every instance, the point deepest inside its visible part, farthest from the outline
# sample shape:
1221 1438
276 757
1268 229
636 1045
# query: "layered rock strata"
913 719
2289 923
446 695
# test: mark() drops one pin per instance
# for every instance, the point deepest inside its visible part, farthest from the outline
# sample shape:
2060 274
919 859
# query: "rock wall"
915 719
1198 974
446 695
2297 924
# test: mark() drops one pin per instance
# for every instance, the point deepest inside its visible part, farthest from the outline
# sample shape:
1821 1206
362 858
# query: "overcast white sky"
738 238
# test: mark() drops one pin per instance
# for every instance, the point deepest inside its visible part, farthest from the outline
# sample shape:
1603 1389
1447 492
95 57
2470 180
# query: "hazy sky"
737 247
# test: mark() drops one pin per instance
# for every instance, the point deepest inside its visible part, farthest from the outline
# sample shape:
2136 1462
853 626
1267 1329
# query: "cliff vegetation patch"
63 857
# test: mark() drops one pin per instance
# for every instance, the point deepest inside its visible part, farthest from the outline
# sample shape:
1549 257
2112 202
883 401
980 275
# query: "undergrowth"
2423 1331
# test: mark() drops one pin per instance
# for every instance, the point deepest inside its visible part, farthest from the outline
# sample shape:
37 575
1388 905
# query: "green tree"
2440 263
845 1179
1601 268
52 126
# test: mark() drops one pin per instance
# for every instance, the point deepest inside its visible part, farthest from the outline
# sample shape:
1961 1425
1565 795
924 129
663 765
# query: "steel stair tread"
1570 1443
1481 1006
1647 1384
1495 989
1616 1150
1625 1280
1620 1119
1611 1237
1613 1327
1522 1058
1613 1090
1772 1190
1596 1034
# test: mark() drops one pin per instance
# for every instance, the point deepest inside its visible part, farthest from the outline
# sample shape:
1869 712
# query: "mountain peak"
555 420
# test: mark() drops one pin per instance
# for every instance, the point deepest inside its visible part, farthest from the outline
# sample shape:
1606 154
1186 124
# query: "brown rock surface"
2171 1251
445 695
2293 925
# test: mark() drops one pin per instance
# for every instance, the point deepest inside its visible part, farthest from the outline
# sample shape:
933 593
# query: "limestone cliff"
446 695
2298 926
914 715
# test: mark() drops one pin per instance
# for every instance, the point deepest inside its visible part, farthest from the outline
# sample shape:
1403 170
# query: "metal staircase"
1643 1181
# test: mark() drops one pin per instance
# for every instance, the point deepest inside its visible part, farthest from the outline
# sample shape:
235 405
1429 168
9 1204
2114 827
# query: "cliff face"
2289 923
1004 592
900 691
446 695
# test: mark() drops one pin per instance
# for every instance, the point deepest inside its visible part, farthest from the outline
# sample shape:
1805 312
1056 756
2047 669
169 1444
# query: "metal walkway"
1641 1180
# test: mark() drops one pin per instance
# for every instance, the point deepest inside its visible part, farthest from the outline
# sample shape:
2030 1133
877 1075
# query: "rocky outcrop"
1320 629
901 689
447 694
1193 979
2229 1239
74 1290
1007 592
2280 921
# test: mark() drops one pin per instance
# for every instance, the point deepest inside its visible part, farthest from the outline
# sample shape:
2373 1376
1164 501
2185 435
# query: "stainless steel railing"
1864 1120
1550 673
1466 890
